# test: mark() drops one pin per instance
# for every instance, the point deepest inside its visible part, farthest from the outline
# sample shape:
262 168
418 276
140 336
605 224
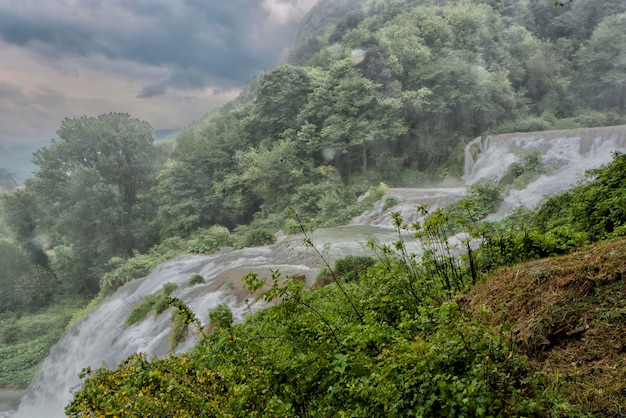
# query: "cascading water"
567 154
102 339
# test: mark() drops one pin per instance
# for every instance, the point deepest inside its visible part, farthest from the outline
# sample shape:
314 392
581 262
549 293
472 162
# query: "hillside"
401 333
375 93
568 315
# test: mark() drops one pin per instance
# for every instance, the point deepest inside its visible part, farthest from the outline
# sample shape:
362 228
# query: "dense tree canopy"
88 195
391 92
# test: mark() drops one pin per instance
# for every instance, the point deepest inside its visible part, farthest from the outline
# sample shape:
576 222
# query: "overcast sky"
167 62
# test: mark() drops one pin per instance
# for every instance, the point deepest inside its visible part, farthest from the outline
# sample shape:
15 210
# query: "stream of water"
101 339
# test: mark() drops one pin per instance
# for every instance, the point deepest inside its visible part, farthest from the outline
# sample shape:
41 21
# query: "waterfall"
566 154
102 339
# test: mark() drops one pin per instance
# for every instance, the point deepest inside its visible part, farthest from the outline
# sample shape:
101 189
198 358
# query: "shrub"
324 277
210 240
524 173
179 330
156 303
482 199
168 288
221 317
139 265
527 124
350 267
196 279
365 202
258 237
390 201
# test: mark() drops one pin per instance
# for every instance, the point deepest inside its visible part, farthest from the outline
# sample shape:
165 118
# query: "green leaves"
221 317
88 190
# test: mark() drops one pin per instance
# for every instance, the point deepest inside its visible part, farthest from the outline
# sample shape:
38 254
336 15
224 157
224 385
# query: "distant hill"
326 14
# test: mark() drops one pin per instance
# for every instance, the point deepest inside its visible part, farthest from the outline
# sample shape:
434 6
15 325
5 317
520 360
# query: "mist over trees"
391 92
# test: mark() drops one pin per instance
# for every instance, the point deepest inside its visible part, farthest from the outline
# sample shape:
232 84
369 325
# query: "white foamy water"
408 200
101 339
567 153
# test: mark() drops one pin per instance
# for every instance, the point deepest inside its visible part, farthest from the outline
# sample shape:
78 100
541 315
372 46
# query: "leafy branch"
309 243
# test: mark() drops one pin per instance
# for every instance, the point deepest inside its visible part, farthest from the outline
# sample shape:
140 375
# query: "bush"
324 277
524 173
345 214
221 317
208 241
139 265
168 288
179 330
350 267
156 303
196 279
390 201
258 237
483 198
33 289
527 124
25 340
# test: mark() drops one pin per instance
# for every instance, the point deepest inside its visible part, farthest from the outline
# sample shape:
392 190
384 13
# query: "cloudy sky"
168 62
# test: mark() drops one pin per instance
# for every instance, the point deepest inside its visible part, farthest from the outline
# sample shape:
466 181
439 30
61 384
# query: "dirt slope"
569 316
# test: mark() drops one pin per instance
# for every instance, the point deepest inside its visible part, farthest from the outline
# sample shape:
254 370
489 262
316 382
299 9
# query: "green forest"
390 94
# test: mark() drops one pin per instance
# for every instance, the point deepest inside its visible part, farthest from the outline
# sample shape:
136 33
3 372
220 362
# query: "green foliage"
389 93
392 343
352 266
309 356
257 237
221 317
594 208
156 303
25 340
393 90
390 201
123 271
20 212
196 279
280 95
482 198
524 173
589 212
26 286
343 215
210 240
603 57
184 312
600 206
179 331
88 195
168 288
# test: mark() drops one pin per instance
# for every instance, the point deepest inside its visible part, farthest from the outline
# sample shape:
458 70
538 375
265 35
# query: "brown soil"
568 314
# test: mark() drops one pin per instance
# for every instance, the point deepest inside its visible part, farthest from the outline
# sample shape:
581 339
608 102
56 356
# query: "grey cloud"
21 31
12 96
201 43
152 90
10 91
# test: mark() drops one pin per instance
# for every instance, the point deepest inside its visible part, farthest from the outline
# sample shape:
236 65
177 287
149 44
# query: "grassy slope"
569 315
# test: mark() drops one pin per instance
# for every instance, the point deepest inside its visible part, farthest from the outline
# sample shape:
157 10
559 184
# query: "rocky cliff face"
325 14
